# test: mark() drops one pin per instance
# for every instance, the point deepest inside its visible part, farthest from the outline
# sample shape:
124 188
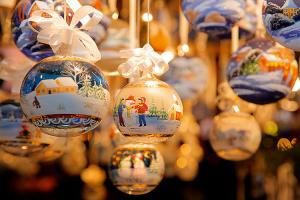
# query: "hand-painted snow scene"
282 21
187 76
148 110
136 169
65 96
262 73
235 136
17 136
214 17
25 38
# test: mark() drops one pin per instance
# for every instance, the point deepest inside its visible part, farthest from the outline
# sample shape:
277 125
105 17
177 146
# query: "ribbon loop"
142 61
68 39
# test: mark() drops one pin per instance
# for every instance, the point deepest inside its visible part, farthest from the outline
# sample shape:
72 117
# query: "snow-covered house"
59 85
290 8
175 112
67 84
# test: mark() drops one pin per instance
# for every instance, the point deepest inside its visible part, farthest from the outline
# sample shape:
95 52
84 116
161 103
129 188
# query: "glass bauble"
214 17
261 72
148 110
136 168
65 96
19 137
235 136
25 38
187 75
281 20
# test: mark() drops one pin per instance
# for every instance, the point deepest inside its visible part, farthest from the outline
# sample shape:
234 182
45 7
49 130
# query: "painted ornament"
235 136
213 17
282 22
65 96
261 72
25 38
188 76
17 136
147 109
136 168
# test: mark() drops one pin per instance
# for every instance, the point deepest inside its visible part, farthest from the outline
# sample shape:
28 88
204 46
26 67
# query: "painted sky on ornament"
53 71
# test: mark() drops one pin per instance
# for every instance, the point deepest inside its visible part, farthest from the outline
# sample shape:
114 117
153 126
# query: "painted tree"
77 72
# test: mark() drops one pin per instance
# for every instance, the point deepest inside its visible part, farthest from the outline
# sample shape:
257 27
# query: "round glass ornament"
18 137
281 20
261 72
136 168
187 75
213 17
65 96
235 136
25 38
148 110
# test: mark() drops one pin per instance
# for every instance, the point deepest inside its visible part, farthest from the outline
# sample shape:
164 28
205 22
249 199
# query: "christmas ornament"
213 17
25 38
235 136
147 109
17 136
262 73
64 96
136 168
188 76
281 22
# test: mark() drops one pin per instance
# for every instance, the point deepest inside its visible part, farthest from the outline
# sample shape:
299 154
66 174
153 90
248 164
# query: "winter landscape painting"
213 16
282 21
146 110
65 96
262 73
17 135
137 169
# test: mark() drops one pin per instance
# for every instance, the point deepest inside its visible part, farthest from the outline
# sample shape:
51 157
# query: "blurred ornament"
214 17
65 96
147 109
183 152
262 73
160 38
12 69
93 175
284 144
17 136
281 22
117 39
74 159
235 136
136 168
188 76
23 165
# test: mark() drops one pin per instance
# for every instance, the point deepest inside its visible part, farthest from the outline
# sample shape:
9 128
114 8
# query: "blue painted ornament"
213 17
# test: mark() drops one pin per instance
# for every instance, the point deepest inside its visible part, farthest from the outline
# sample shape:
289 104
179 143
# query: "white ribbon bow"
142 61
55 32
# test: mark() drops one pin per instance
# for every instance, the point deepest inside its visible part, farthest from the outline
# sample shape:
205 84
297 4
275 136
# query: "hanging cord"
148 21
